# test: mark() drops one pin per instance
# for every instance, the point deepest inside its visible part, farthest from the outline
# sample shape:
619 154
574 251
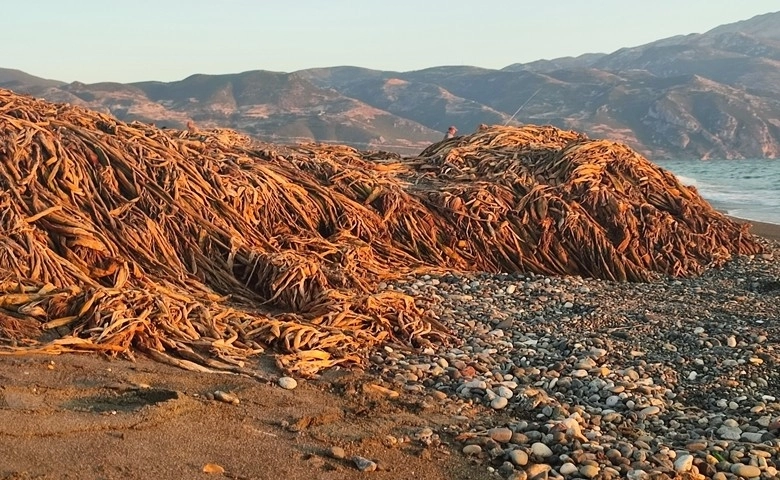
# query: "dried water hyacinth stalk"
202 249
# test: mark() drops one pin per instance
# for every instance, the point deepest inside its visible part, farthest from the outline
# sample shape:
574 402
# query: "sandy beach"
414 413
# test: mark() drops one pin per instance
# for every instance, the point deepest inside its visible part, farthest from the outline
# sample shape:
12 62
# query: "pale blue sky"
134 40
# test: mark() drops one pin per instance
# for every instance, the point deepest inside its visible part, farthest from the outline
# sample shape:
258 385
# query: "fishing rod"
523 105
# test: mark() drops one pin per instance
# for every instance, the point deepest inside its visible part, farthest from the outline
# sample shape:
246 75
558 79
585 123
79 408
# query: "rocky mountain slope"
711 95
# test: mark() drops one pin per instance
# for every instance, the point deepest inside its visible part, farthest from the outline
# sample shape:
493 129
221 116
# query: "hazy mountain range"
710 95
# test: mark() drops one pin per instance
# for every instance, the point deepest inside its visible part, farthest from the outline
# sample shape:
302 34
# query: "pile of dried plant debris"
202 249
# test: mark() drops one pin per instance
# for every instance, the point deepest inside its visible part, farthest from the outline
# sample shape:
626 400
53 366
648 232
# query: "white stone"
498 403
568 468
541 450
647 411
637 475
504 392
287 383
683 463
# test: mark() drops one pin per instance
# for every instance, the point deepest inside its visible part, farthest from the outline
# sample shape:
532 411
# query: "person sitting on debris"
451 132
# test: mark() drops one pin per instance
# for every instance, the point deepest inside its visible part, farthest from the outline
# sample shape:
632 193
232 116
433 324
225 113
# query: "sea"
748 189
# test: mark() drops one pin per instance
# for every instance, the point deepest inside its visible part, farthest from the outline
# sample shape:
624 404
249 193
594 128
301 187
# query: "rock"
364 464
648 411
683 463
472 450
587 363
696 446
541 450
518 475
729 433
637 475
498 403
287 383
505 392
589 471
745 471
506 469
518 457
568 468
537 471
752 437
501 435
337 452
226 397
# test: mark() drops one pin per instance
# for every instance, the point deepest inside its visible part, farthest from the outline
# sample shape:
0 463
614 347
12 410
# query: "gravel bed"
583 378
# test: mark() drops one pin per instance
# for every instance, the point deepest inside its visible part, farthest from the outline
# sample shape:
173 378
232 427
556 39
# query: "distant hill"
710 95
10 78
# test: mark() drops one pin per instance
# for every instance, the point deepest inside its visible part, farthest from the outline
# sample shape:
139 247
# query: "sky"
136 40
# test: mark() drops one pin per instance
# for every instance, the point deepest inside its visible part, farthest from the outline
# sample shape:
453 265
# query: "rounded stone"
589 471
501 435
337 452
647 411
745 471
498 403
518 457
568 468
541 450
287 383
472 450
683 463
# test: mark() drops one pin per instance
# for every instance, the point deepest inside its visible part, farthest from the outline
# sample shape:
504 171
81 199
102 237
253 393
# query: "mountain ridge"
709 95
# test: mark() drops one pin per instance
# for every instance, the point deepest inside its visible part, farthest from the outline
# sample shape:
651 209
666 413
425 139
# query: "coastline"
769 231
658 393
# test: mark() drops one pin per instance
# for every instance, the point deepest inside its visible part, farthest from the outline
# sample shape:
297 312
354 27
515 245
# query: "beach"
543 377
766 230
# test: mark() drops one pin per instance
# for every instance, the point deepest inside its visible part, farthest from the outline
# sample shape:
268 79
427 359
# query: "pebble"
646 412
501 435
226 397
683 463
518 457
499 402
288 383
537 471
745 471
541 450
589 471
337 452
568 468
472 450
618 379
364 464
729 433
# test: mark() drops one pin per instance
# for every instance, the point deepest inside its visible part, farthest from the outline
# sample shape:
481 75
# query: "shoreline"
766 230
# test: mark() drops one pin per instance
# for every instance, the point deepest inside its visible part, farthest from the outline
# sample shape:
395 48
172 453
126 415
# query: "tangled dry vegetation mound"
202 249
